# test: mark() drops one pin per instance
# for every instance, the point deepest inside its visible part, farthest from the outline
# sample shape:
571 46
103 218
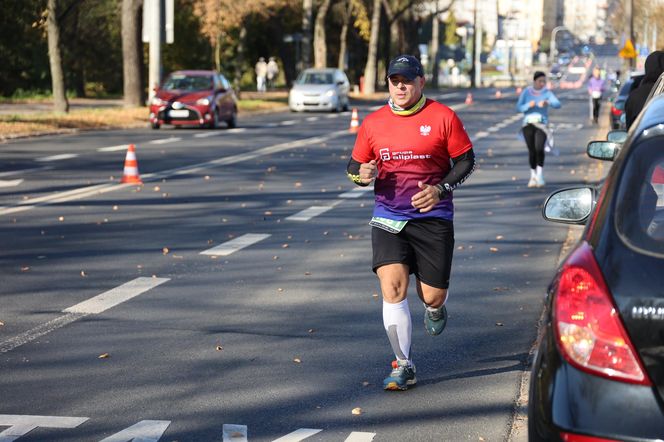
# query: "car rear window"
188 83
315 78
640 211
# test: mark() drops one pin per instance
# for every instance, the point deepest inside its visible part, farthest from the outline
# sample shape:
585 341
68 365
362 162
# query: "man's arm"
462 167
361 174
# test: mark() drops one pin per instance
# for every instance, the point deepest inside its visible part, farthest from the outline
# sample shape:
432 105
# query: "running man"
416 151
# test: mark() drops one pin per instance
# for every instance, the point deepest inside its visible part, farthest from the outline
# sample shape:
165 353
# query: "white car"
320 89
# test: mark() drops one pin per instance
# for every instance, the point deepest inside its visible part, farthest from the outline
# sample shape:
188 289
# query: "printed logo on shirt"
386 155
425 130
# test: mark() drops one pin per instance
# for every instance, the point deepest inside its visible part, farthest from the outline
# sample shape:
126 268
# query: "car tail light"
570 437
615 111
588 329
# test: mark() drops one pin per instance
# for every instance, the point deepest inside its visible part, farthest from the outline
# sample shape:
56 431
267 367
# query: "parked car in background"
617 111
194 98
598 374
320 89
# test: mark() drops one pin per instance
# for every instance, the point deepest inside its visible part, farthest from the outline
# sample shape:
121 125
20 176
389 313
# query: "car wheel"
346 106
155 125
232 121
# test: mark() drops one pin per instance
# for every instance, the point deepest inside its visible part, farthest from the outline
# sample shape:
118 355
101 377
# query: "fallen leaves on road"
25 268
83 274
499 324
104 356
357 411
2 323
165 250
219 348
61 218
493 249
297 360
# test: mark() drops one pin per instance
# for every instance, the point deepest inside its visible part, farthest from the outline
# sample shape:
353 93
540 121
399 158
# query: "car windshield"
640 211
188 83
626 87
315 78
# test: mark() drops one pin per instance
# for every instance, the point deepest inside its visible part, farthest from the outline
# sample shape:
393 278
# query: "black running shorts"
424 245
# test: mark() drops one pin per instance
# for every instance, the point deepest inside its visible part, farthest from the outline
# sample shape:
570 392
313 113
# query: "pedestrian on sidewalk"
416 151
534 102
261 74
272 71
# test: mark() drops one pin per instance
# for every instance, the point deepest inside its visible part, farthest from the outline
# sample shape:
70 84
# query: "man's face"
405 92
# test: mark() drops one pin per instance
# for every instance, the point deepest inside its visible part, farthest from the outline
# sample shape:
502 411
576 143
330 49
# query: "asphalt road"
230 297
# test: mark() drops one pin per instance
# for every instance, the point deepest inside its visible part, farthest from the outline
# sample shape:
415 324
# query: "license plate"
183 113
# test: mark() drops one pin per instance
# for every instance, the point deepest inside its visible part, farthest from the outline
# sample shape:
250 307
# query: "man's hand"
426 198
368 172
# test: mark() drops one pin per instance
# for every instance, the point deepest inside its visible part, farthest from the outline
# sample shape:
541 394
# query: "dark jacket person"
636 99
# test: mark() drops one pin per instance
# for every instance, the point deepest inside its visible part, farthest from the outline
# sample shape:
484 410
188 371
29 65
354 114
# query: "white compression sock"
539 171
398 325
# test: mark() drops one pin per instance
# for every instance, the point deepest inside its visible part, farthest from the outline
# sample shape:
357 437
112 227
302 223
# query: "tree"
131 53
60 102
320 46
372 53
343 37
307 13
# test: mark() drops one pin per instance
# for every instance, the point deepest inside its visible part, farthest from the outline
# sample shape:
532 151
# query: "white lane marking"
481 134
272 125
312 118
165 140
450 95
18 172
457 107
99 189
298 435
234 433
63 156
20 425
288 123
359 436
237 130
37 332
313 211
207 134
113 148
332 116
356 192
116 296
143 431
493 129
10 183
94 305
236 244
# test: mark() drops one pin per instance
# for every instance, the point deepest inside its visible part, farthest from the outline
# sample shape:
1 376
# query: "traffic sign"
628 50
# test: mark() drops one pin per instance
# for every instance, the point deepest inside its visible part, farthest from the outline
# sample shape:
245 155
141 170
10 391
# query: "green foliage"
23 48
190 50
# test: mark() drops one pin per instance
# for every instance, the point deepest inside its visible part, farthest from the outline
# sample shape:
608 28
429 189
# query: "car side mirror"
617 136
603 150
569 206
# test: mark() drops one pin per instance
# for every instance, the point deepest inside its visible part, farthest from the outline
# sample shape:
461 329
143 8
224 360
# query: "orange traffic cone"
354 122
131 167
498 93
469 98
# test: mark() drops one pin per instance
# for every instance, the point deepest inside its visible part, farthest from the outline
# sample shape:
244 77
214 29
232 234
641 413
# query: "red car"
194 98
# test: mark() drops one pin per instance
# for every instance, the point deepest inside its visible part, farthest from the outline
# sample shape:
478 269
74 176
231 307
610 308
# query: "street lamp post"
552 43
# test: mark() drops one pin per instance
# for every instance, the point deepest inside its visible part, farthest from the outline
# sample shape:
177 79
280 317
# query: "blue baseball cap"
406 65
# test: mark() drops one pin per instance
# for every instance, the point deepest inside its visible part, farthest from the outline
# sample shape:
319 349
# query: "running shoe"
435 320
401 377
540 181
532 182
